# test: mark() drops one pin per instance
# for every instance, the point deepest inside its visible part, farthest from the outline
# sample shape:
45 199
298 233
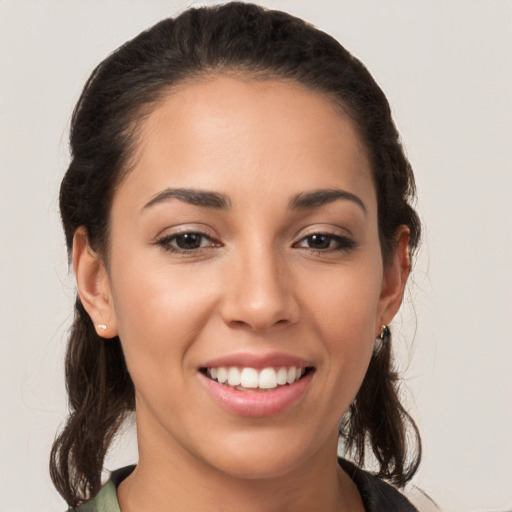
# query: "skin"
257 284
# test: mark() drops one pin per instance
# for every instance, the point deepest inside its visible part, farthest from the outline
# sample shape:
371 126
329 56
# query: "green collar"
106 499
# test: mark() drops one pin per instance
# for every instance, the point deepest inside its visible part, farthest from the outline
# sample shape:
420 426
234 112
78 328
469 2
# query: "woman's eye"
326 242
186 242
189 241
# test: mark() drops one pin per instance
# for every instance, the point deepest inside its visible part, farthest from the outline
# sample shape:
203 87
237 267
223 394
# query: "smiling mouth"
252 379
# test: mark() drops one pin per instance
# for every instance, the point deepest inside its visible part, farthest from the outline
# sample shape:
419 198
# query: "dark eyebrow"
316 198
191 196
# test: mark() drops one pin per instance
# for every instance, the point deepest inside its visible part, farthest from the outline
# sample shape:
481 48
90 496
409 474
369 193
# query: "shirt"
377 495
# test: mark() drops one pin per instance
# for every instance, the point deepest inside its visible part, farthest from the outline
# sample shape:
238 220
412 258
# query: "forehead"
225 132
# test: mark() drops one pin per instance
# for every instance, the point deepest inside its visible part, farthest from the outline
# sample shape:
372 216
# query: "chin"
264 467
264 456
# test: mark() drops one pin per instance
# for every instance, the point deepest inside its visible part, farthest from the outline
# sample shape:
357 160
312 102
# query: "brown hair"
240 38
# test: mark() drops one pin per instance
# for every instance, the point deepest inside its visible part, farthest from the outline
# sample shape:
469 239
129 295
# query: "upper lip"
257 361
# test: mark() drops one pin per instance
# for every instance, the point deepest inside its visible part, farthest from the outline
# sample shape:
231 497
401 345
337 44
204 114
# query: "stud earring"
103 327
382 339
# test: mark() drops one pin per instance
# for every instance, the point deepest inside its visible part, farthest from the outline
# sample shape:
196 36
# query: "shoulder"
106 499
377 495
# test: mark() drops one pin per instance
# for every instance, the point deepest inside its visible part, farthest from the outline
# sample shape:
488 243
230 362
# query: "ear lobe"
93 285
395 278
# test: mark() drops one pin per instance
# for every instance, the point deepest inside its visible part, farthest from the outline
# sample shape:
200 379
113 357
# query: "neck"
181 481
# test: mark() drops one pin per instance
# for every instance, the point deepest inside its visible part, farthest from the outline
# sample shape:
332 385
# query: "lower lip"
256 404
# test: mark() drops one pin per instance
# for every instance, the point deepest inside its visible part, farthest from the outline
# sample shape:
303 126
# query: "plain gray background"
445 66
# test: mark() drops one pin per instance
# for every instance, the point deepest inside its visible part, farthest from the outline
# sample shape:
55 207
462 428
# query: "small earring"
103 327
382 339
385 333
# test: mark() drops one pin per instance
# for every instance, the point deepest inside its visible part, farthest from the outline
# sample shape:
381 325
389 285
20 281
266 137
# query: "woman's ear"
93 285
395 277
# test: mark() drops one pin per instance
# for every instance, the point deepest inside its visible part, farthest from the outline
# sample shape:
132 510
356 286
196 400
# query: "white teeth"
234 376
250 378
268 379
222 374
282 375
292 374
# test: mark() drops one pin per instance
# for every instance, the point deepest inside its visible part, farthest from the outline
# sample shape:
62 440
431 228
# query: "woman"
238 215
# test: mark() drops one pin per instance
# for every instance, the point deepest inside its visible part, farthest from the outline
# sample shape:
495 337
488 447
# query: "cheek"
344 309
159 312
346 300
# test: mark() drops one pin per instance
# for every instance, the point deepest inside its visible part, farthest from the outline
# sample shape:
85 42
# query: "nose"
260 292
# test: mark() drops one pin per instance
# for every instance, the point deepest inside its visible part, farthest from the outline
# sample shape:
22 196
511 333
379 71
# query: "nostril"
257 324
239 323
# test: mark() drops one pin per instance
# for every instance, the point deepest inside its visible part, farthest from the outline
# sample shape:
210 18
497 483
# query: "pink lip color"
256 404
258 361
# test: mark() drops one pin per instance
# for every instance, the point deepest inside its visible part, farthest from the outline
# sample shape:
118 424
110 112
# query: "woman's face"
244 246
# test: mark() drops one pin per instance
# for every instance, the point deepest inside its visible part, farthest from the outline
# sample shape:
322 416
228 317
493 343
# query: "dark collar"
377 495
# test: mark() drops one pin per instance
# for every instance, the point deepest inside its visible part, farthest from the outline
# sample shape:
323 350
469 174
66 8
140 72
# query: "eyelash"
343 243
166 241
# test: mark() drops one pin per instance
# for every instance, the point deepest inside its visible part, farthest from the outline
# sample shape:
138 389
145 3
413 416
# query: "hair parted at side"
243 39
